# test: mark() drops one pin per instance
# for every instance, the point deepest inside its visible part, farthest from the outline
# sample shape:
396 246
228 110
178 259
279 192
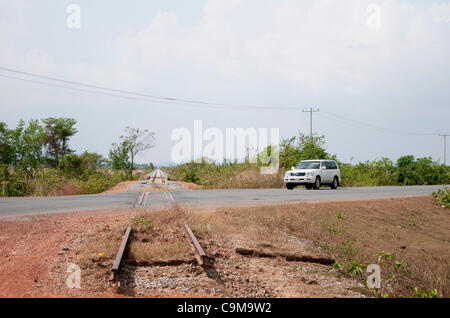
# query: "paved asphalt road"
201 198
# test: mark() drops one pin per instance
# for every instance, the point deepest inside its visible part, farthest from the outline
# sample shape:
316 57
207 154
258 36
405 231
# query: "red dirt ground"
31 250
33 261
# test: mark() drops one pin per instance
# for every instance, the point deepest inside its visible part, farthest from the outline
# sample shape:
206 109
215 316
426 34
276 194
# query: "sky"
379 70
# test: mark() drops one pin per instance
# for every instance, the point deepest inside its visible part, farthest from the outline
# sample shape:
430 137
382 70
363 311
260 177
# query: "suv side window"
332 165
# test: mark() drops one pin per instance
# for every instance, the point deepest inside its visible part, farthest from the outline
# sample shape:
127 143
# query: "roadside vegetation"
407 238
36 159
442 196
407 170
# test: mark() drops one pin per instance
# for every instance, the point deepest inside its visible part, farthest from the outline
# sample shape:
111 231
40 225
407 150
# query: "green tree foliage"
369 173
119 157
71 165
443 196
24 165
91 160
57 133
295 149
6 151
27 143
413 171
406 171
81 166
137 140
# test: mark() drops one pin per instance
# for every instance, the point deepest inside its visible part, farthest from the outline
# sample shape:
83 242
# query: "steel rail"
139 201
200 254
118 260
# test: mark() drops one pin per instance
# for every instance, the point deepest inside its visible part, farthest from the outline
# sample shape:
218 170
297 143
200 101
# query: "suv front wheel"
317 183
290 186
335 183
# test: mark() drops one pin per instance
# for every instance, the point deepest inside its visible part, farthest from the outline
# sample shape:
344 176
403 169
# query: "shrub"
99 182
71 165
443 197
74 166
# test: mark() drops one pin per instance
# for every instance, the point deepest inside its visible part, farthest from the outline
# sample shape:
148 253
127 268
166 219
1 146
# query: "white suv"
313 174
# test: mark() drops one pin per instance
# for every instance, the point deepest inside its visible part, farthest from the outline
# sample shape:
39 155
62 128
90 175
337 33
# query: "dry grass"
415 230
97 256
158 237
252 179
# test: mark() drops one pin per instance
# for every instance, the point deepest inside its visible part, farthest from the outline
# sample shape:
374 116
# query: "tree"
295 149
6 151
137 140
71 165
407 172
91 160
119 158
81 166
57 135
26 142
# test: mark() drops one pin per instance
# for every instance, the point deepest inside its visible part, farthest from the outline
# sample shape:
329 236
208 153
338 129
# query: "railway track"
143 202
156 200
200 256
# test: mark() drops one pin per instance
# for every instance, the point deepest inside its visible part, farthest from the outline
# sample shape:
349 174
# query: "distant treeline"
406 171
36 159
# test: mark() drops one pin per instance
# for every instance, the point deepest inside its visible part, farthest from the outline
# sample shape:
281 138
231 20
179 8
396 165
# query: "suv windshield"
308 165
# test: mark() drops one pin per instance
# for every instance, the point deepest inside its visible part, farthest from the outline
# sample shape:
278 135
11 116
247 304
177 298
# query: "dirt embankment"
35 251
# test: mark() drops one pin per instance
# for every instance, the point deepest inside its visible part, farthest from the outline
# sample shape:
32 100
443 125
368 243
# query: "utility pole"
310 111
445 147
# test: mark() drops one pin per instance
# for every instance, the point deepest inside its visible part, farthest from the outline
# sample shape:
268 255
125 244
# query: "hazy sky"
291 53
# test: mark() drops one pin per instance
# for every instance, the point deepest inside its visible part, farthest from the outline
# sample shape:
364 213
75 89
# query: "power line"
116 95
65 87
390 130
148 96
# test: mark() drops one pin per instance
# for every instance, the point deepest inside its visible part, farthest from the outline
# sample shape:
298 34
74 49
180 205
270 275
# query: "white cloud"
155 45
440 12
308 44
315 46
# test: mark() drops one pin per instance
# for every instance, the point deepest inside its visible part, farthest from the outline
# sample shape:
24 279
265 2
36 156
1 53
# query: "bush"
443 197
100 182
50 182
19 184
71 165
369 173
82 166
407 171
